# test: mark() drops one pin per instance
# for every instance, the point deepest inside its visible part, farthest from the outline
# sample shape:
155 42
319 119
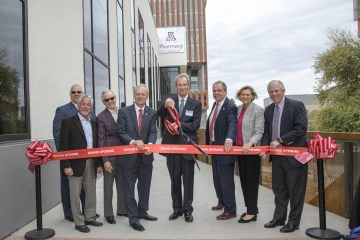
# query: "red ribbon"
320 148
38 154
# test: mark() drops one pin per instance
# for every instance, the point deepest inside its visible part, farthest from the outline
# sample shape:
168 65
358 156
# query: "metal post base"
318 233
35 234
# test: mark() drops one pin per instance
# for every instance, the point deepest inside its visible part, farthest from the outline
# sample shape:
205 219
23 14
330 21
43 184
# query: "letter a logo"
170 37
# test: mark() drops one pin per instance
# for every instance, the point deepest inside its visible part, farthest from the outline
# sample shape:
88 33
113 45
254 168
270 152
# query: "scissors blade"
192 155
193 143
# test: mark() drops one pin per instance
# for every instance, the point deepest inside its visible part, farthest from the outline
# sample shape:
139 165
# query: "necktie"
181 106
140 120
211 133
275 123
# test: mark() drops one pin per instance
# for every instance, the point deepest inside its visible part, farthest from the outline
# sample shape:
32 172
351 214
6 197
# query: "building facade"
45 48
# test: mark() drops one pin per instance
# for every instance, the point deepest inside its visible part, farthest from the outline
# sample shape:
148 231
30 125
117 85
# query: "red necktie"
140 120
213 122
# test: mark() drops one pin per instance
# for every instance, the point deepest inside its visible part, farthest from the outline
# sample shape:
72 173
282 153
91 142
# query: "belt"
212 142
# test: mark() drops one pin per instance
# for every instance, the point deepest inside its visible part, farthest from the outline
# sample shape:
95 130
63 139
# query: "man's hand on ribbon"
139 144
274 144
227 145
68 171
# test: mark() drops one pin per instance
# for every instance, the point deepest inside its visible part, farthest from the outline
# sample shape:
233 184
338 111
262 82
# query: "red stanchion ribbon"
320 148
38 154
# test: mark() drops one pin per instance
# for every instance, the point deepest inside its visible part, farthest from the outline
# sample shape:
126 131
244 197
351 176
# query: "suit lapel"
79 126
134 117
284 113
187 106
109 116
271 116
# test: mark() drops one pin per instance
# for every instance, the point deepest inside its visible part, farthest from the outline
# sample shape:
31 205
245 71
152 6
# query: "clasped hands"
140 145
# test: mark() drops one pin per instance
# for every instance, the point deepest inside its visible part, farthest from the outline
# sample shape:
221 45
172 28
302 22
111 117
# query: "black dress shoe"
93 223
69 218
97 215
243 215
122 214
274 223
288 228
137 227
241 220
175 215
148 217
82 228
110 220
188 218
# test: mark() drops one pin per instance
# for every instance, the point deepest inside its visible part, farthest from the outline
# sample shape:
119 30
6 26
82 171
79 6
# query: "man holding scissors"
182 165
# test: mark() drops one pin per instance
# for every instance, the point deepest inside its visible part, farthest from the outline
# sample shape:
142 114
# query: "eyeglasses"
74 92
108 99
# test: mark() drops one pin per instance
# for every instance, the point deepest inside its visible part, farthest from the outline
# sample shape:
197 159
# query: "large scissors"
173 130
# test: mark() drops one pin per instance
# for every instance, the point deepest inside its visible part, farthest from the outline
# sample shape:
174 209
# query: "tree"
339 85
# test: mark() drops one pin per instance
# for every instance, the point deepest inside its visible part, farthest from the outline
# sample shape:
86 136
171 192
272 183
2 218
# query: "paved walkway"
205 225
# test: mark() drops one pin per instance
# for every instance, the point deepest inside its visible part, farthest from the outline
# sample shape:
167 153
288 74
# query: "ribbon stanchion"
38 154
322 148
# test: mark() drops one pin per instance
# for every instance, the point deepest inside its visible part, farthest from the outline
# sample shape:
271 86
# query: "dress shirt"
86 124
185 98
212 115
114 114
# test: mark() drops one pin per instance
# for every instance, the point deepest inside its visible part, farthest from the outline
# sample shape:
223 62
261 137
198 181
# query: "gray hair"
273 82
84 96
106 91
74 86
222 83
141 85
182 75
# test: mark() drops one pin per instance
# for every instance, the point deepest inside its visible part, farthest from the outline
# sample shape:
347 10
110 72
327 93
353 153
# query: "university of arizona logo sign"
170 37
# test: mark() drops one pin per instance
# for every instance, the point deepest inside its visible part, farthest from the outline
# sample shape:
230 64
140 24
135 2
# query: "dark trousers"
142 173
355 211
288 183
179 167
223 177
249 169
65 195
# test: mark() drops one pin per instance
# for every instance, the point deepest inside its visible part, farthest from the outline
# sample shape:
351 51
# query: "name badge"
189 113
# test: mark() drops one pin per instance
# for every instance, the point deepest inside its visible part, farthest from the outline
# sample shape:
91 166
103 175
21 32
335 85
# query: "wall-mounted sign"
171 39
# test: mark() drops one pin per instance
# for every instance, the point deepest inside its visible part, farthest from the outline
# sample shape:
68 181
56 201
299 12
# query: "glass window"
133 58
122 95
149 73
120 28
167 80
88 74
100 30
141 50
14 120
101 83
87 25
132 14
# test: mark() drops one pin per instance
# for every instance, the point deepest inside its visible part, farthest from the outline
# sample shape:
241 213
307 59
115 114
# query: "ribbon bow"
38 154
320 148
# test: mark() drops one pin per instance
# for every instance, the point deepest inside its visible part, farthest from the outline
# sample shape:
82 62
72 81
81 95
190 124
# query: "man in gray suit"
62 112
106 122
136 125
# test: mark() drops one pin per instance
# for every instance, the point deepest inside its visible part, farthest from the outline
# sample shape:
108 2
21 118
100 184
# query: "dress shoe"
97 215
137 227
288 228
110 220
225 216
243 215
93 223
175 215
82 228
122 214
188 218
217 207
242 220
148 217
274 223
69 218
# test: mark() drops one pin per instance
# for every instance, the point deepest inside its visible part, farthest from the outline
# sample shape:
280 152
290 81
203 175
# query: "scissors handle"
174 115
170 128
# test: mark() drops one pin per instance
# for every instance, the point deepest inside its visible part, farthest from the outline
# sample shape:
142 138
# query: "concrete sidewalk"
205 225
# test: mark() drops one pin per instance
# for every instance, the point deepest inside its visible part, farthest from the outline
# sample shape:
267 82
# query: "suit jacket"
190 120
61 113
106 133
252 123
72 137
293 126
225 128
127 130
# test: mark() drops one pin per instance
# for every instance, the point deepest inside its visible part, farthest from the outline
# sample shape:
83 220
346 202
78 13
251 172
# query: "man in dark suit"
106 122
221 129
182 165
286 124
80 132
62 112
136 125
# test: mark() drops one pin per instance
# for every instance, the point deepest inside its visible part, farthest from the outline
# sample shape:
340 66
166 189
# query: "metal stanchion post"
40 232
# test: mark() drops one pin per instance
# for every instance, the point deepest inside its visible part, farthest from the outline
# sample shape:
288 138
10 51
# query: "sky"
254 42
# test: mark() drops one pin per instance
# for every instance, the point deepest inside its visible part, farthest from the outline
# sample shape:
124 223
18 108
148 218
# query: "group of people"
284 122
